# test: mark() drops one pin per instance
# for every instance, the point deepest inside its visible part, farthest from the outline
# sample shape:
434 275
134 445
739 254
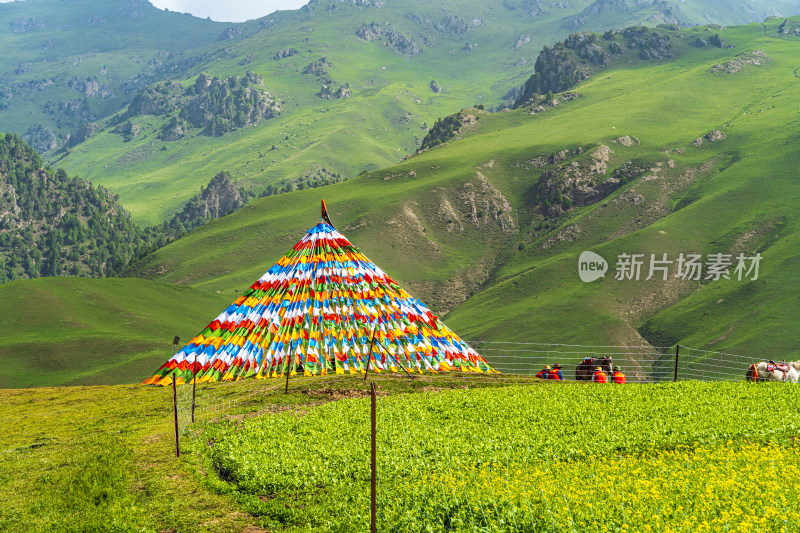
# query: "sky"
228 10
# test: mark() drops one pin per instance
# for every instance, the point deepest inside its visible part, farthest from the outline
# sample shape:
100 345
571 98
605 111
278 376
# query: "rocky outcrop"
327 92
586 45
89 87
452 24
435 87
755 58
173 130
128 130
393 39
160 99
69 109
542 103
444 129
80 135
556 70
343 91
650 44
229 33
522 40
626 140
216 200
572 179
487 205
711 136
28 25
217 105
40 137
282 54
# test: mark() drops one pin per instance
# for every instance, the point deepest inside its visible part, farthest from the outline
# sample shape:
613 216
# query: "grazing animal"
771 371
585 368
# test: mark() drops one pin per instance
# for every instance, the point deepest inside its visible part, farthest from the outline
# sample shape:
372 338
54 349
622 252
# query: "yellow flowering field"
546 458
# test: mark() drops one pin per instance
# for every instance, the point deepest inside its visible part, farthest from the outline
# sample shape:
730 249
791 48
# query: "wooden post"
175 411
369 353
288 365
675 375
373 506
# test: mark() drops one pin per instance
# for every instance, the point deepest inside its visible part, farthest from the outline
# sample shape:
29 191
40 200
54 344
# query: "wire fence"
495 483
515 362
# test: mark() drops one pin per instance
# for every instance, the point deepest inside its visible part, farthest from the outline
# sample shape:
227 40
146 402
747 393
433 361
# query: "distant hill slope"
77 331
694 154
690 155
357 84
54 225
68 64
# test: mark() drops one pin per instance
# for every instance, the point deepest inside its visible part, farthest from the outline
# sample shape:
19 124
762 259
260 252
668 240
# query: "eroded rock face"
578 182
487 205
40 137
218 199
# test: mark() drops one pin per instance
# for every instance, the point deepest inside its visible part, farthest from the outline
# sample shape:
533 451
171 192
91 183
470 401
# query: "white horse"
769 371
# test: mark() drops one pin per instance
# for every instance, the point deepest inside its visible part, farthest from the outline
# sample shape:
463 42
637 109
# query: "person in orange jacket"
599 376
618 376
556 373
544 373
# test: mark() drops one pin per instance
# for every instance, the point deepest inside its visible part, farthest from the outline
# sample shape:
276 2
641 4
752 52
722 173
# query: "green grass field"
511 458
76 331
526 458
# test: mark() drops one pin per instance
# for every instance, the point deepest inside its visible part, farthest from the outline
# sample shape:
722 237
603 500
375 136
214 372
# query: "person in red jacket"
556 373
544 373
617 376
599 376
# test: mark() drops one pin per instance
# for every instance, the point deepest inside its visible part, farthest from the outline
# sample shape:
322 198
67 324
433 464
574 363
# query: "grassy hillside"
461 227
73 331
458 221
388 54
67 64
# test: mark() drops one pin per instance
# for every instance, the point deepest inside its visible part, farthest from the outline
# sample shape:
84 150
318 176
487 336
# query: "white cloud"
228 10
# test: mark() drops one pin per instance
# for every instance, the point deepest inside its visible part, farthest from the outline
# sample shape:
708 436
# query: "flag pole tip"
324 213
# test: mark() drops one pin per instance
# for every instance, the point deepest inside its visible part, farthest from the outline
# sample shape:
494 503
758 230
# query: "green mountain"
687 154
347 86
68 64
54 225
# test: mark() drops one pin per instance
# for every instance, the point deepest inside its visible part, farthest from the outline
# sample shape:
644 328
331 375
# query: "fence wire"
500 483
515 362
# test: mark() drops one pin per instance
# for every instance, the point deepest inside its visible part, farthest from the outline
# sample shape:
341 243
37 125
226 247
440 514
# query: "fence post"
369 353
373 510
675 375
288 364
175 411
